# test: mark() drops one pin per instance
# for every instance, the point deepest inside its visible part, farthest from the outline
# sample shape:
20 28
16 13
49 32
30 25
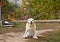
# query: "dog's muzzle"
31 22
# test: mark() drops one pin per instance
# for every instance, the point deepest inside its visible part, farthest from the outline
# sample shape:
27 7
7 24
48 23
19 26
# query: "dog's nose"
31 22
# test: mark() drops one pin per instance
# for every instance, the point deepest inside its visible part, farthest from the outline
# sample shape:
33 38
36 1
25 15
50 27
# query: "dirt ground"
17 36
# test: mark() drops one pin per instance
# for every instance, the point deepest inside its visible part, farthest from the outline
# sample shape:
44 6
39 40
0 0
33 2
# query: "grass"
55 37
0 26
40 25
21 26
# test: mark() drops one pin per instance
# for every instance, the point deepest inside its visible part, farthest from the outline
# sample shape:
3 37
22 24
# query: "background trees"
10 10
44 9
38 9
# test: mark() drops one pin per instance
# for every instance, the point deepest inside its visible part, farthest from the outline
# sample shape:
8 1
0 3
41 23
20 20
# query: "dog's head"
30 21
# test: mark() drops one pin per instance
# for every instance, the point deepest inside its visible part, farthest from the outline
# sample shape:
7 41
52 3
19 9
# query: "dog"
30 29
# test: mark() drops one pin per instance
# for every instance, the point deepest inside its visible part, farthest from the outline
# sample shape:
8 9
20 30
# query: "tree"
43 9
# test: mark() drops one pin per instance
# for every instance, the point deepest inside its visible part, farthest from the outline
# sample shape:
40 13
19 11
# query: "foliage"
38 9
43 9
10 8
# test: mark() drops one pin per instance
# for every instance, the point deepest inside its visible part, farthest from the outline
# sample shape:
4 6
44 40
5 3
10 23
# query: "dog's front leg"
26 33
35 33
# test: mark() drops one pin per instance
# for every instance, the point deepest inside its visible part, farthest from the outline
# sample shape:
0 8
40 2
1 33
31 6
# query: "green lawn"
55 37
40 25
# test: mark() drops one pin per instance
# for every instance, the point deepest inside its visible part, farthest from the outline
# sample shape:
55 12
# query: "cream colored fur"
30 28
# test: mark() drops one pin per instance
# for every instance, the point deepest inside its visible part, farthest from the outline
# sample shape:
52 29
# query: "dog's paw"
35 37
